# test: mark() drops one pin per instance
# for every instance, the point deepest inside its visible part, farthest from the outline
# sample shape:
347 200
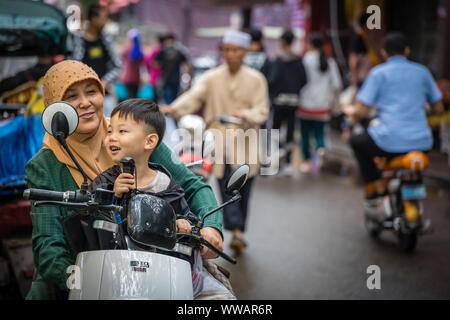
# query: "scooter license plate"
414 192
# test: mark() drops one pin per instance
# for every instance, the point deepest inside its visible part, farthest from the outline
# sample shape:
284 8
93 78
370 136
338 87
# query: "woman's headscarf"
88 149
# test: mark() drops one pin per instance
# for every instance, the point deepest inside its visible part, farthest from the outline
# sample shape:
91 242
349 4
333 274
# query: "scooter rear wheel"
408 242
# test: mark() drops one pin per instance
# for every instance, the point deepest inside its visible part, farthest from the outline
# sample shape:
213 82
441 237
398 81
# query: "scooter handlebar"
50 195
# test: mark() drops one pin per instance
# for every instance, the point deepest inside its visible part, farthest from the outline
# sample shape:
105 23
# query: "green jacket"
51 253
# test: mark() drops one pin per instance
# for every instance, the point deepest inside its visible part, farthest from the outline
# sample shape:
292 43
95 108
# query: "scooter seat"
414 160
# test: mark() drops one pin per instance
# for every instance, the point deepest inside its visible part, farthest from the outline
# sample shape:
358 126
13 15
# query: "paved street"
307 240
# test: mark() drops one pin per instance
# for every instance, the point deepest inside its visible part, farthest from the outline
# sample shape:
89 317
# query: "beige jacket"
224 93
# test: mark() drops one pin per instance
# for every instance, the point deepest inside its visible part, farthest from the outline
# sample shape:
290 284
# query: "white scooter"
147 259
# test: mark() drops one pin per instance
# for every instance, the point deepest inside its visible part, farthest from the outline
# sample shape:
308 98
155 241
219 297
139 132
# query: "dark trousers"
365 151
132 90
317 128
235 215
170 94
285 114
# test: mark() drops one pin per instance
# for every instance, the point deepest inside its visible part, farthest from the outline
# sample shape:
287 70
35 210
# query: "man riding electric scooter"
400 90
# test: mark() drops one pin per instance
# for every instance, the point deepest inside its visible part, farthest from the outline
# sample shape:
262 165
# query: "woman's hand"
212 235
123 184
183 226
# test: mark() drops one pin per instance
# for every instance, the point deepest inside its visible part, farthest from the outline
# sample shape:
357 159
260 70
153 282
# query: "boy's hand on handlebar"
123 184
213 236
183 226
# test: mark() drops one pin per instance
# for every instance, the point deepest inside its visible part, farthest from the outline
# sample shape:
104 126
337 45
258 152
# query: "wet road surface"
307 240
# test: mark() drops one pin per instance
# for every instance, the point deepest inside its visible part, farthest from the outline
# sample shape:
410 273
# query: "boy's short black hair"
395 43
143 110
94 11
287 37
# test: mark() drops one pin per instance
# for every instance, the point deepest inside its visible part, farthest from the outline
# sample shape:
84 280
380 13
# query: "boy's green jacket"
52 256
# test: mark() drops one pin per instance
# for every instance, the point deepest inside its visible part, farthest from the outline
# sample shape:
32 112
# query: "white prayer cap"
237 38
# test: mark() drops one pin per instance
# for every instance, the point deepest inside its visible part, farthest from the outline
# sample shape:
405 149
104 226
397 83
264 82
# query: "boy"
135 130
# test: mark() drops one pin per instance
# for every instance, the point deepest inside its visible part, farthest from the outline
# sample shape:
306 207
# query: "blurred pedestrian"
170 59
362 56
239 91
316 98
286 78
256 56
132 58
153 68
96 49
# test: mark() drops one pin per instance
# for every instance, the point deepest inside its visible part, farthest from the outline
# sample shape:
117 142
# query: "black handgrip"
67 196
42 194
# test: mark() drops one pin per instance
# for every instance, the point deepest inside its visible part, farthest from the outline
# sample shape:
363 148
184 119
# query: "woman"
316 97
51 168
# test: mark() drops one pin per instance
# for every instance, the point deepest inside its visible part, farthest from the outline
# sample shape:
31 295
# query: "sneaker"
305 167
321 156
237 243
288 170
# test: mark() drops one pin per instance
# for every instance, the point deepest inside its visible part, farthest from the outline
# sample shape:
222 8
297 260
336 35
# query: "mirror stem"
236 197
61 138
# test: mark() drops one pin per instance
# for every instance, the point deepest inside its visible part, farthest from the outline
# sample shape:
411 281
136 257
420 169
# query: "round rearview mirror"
237 179
60 117
208 144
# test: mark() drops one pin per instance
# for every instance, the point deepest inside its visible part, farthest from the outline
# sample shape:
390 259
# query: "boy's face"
128 138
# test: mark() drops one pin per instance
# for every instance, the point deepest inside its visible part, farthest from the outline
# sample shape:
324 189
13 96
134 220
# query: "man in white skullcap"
236 90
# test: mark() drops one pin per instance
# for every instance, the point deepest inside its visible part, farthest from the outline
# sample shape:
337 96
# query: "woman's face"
87 99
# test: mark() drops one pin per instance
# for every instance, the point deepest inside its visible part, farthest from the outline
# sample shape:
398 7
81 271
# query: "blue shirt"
399 90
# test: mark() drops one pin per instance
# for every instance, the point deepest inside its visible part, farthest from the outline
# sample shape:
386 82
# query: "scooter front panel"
129 275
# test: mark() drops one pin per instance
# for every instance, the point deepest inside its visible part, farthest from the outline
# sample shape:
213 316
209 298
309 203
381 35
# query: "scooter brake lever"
220 253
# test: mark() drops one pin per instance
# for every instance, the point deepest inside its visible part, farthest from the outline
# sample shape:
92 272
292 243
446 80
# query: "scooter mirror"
237 179
208 144
60 117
